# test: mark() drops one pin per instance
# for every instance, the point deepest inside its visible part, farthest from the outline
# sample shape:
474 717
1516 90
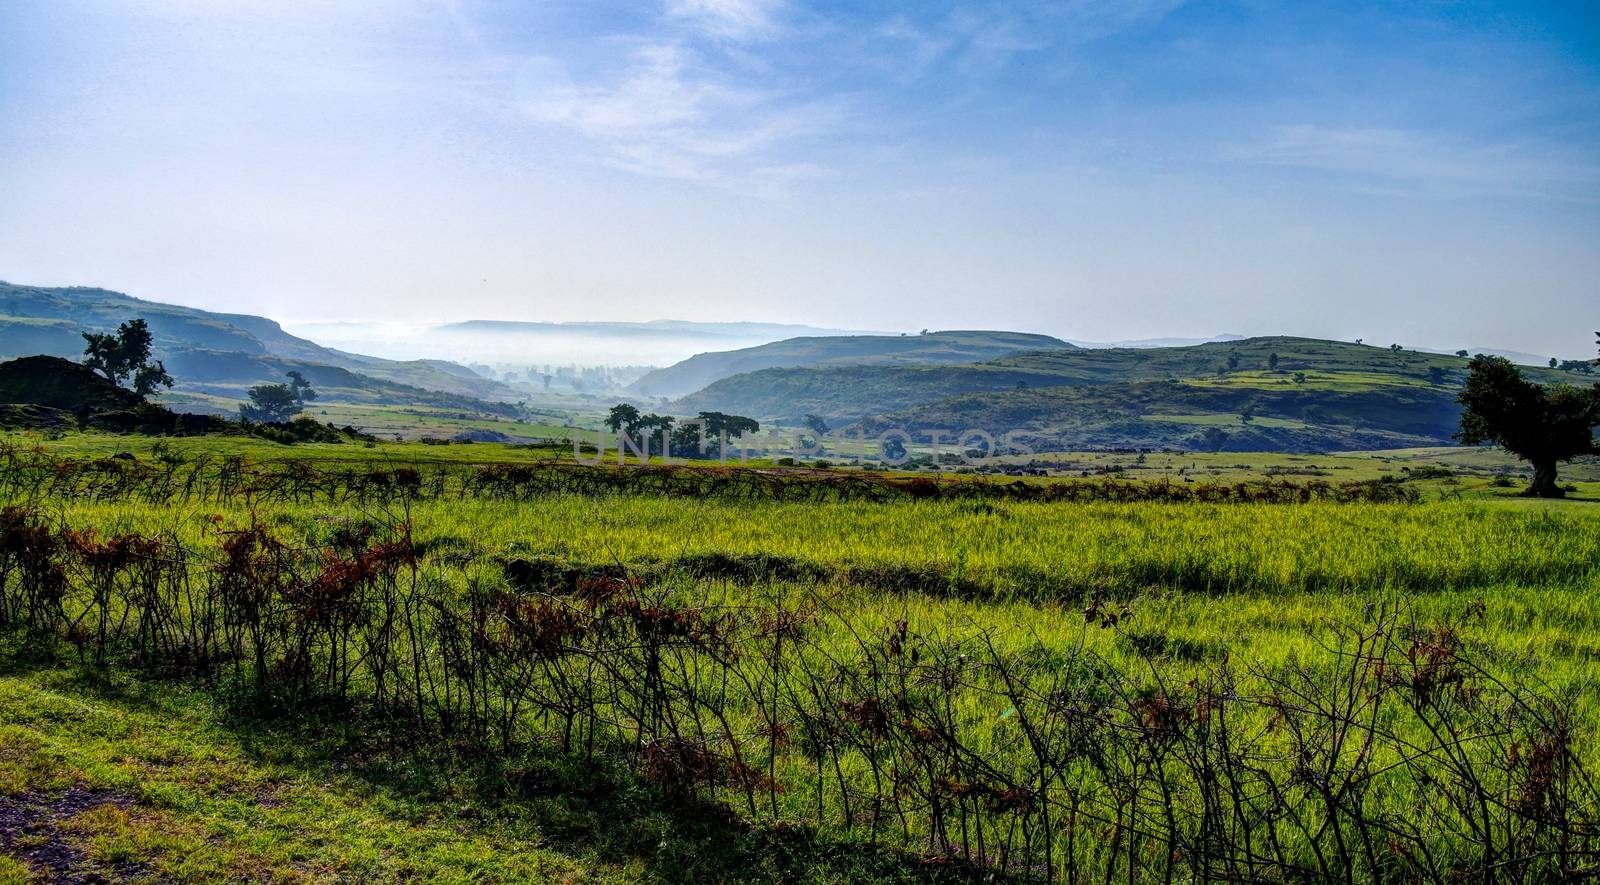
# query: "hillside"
1197 415
212 348
61 384
231 375
1316 396
51 393
934 348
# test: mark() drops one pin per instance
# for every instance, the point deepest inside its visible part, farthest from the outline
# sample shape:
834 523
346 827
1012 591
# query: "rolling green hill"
1186 414
933 348
204 349
1257 394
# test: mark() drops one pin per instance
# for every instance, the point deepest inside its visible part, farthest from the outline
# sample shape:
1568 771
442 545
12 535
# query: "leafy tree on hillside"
125 355
270 404
623 418
1543 426
705 434
1272 361
1463 354
734 426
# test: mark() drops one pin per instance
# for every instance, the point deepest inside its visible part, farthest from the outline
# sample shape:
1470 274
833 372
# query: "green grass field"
711 713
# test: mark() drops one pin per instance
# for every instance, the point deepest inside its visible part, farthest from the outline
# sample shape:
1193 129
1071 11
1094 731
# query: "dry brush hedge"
34 473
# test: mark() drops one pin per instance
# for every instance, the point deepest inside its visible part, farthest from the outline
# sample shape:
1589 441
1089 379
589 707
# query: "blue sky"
1423 172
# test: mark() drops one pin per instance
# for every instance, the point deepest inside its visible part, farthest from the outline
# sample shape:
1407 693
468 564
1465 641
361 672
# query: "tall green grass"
1004 549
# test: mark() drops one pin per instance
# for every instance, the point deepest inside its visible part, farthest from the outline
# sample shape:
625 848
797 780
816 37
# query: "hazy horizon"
664 340
1422 173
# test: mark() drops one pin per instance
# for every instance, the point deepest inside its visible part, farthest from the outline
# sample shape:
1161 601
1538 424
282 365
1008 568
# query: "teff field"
238 659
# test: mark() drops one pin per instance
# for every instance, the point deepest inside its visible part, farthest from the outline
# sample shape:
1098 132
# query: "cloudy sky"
1422 172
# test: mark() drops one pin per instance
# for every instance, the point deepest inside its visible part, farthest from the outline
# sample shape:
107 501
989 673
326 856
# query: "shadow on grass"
595 808
590 806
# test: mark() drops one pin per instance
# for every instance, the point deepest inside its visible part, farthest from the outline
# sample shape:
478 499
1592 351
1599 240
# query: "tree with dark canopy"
124 355
705 433
1543 426
623 418
719 425
270 403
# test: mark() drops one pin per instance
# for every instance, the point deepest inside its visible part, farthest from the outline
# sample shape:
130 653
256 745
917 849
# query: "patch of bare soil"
30 830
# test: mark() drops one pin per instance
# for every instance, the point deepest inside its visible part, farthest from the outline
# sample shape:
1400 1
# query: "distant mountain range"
517 343
226 353
650 328
1516 356
931 348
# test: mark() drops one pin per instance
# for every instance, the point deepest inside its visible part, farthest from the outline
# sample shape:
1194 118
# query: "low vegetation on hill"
1257 394
1197 417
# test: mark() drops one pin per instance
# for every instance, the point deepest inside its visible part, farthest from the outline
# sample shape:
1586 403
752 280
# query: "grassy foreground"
639 686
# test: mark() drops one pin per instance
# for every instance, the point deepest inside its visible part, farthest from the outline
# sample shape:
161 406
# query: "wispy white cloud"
982 39
658 90
989 40
916 48
1424 162
732 19
714 90
669 113
1091 19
